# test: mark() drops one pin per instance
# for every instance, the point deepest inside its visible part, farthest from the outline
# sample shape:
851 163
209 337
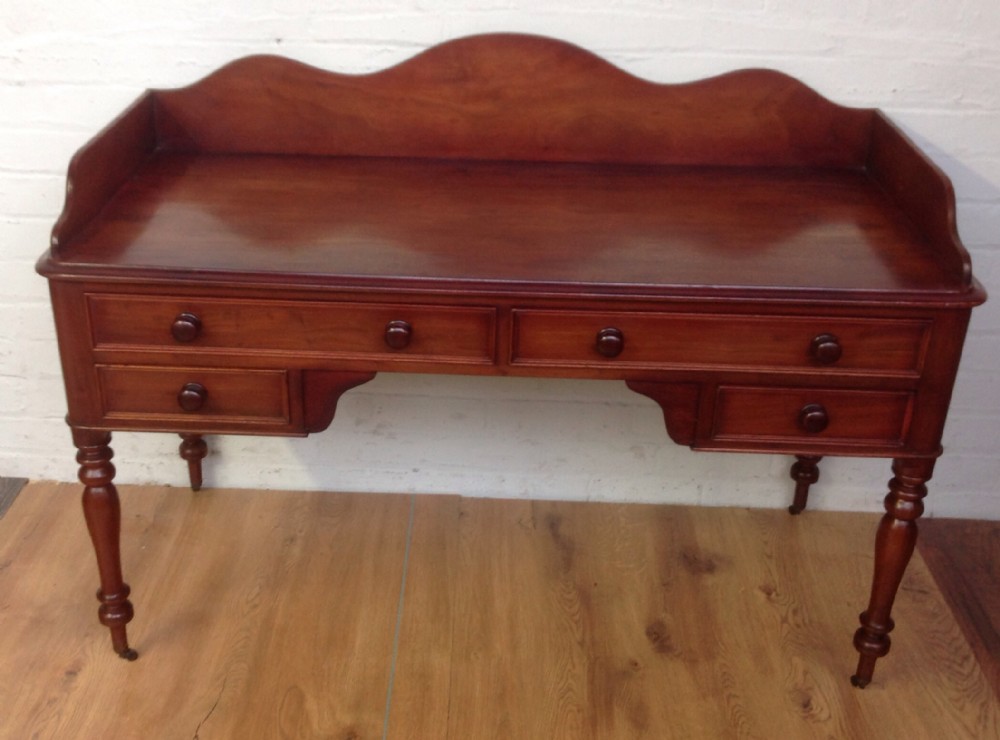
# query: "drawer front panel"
798 414
432 333
833 344
194 393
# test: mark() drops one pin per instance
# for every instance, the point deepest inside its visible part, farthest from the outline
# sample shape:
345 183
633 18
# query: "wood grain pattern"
254 395
509 96
679 340
605 621
606 227
103 165
422 693
877 417
517 98
278 614
342 330
519 619
912 179
964 558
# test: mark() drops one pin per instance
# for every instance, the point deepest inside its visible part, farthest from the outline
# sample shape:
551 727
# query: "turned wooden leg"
193 449
804 472
103 514
894 543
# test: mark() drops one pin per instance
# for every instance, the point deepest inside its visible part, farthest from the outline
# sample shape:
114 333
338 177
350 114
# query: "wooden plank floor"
312 615
964 557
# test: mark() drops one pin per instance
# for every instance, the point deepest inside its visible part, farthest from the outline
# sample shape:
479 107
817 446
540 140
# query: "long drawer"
432 333
678 340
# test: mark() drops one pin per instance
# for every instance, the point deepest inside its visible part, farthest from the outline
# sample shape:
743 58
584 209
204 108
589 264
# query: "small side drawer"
798 414
233 396
450 334
677 340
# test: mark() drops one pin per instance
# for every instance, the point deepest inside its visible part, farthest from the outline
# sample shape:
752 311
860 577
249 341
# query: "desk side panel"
944 353
73 332
100 168
925 195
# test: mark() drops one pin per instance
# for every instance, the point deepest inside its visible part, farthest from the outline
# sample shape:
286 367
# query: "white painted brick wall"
67 67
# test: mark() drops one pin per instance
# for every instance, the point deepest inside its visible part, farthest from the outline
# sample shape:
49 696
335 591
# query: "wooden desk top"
515 164
594 227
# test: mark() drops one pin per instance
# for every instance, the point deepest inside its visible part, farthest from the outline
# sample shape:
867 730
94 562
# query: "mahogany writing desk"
779 273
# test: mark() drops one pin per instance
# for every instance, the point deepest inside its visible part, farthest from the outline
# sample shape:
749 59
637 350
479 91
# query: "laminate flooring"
267 614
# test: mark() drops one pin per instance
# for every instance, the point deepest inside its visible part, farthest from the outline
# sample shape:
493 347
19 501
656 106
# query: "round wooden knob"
192 396
825 349
813 418
610 342
186 327
398 334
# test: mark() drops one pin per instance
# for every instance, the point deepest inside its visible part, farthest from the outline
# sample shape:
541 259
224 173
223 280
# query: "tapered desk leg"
805 472
894 543
102 511
193 449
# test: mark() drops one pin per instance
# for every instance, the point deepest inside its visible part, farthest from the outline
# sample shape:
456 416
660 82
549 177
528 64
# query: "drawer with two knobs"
350 330
718 341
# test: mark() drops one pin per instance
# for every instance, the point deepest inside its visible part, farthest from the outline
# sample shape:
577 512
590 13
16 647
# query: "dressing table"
779 273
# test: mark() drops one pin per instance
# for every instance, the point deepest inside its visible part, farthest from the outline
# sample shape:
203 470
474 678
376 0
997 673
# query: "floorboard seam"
399 619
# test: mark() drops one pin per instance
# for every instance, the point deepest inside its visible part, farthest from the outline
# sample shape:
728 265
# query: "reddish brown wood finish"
777 272
894 543
193 449
511 97
109 160
877 418
805 472
608 228
322 389
340 330
964 557
102 511
680 404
